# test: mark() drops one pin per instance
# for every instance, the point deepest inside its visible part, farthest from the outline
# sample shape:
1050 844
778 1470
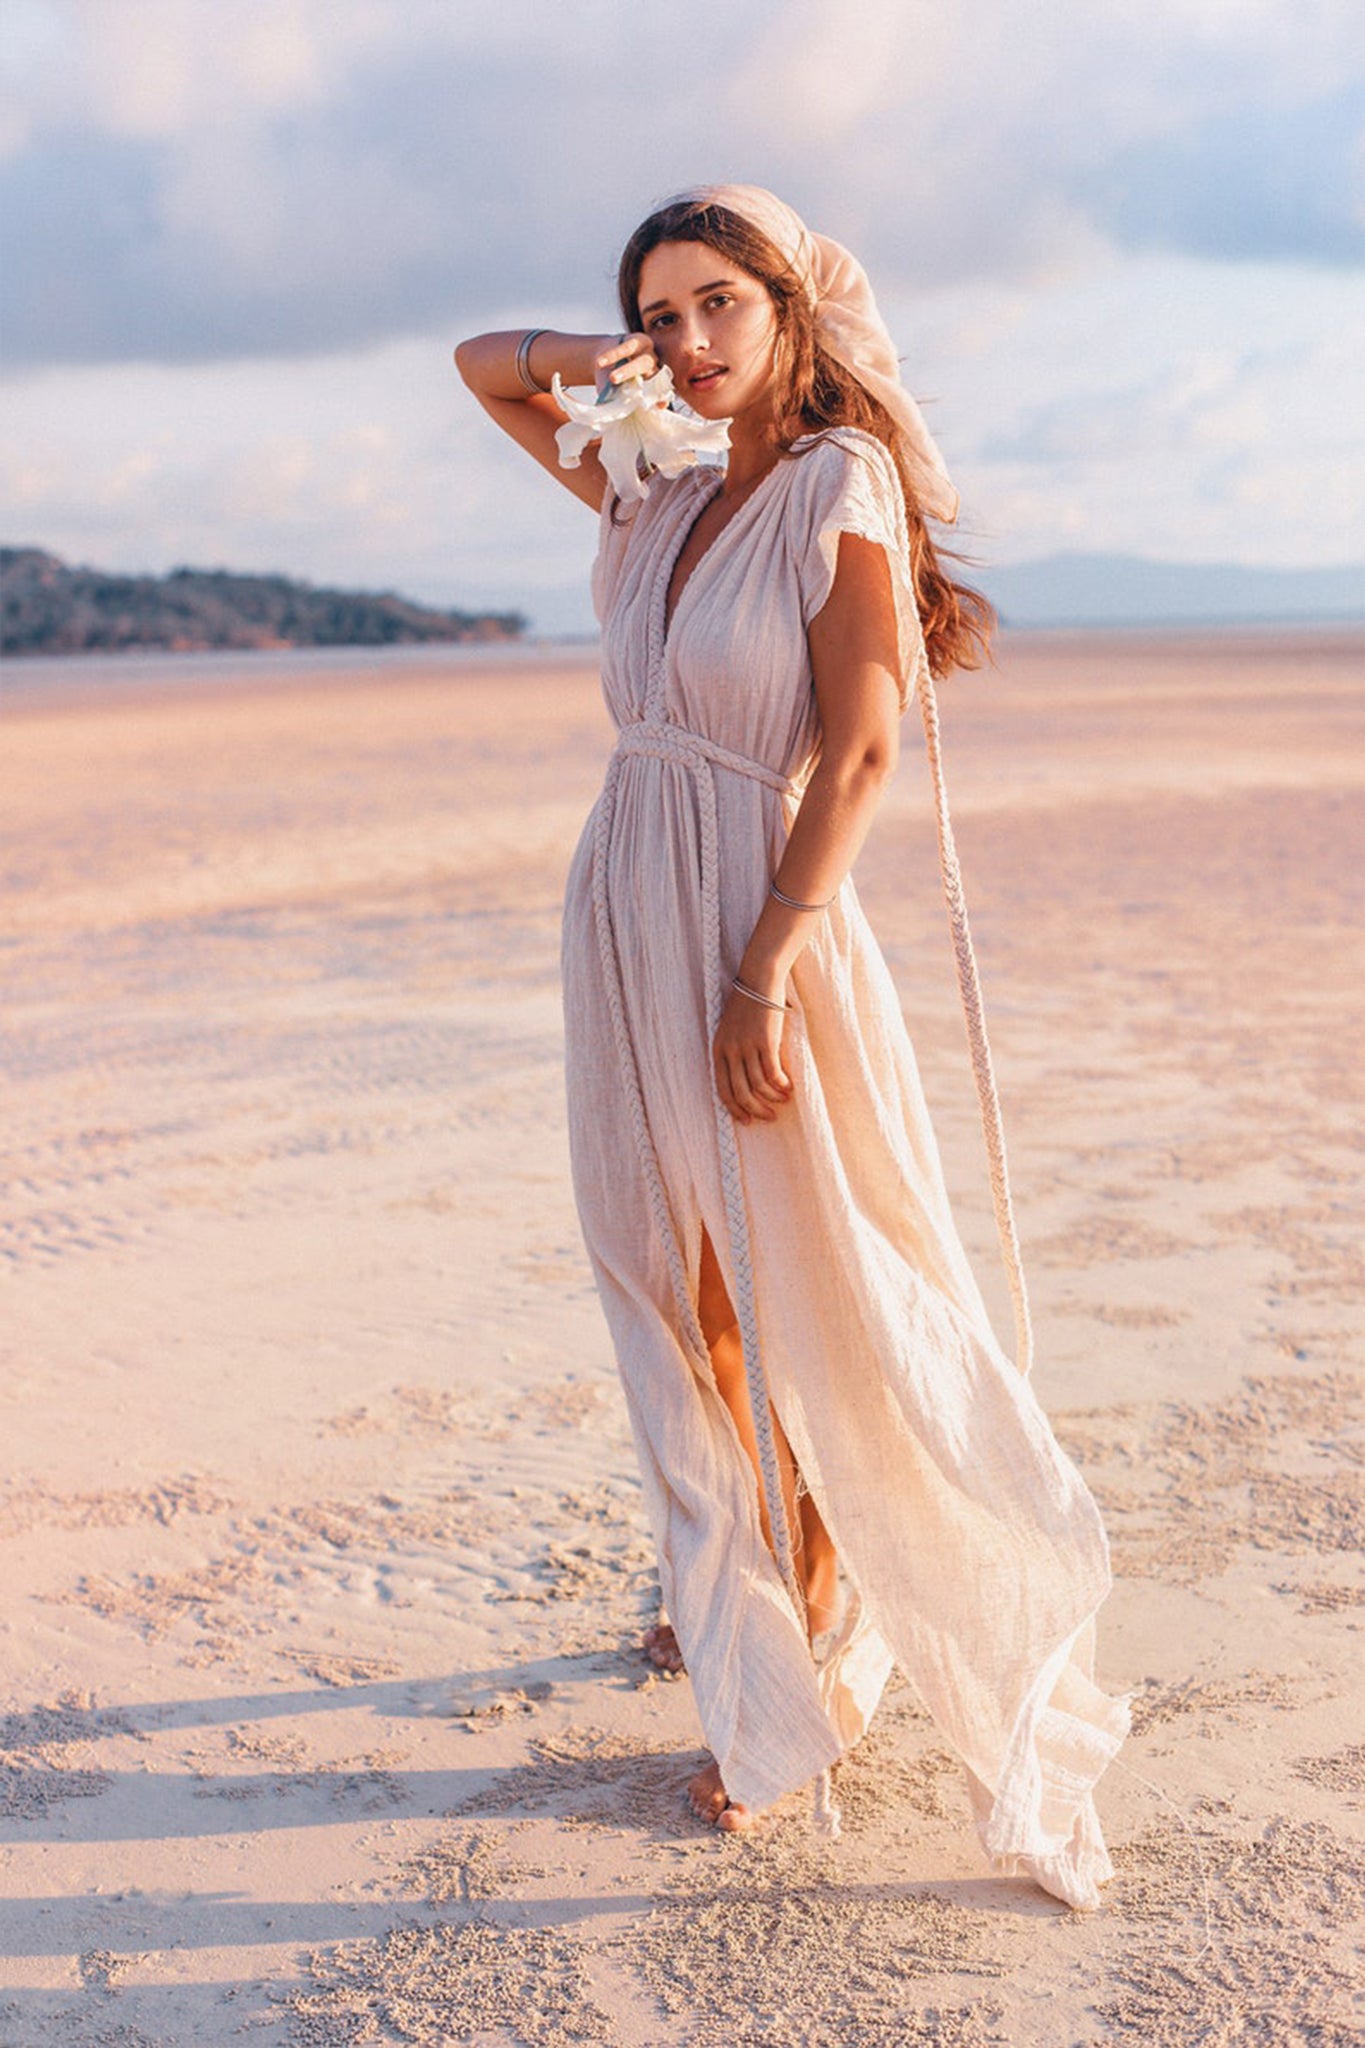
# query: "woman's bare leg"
815 1558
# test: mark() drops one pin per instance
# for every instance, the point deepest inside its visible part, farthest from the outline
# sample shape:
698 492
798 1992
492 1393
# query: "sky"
1120 245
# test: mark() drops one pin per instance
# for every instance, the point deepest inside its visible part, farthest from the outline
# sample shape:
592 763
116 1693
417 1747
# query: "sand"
324 1719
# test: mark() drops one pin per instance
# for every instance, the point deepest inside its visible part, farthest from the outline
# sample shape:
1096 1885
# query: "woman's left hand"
747 1059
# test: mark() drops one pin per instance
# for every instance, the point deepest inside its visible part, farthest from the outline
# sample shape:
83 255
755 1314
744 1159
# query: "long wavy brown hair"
958 622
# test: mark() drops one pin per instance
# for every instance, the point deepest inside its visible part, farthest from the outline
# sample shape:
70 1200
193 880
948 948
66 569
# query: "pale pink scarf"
848 323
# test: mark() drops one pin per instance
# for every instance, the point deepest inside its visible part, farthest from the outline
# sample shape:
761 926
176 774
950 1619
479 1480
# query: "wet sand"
323 1718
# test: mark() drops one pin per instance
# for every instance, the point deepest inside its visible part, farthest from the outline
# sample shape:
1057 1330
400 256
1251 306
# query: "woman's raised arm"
491 365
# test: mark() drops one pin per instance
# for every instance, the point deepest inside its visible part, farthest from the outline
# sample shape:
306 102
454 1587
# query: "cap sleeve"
853 486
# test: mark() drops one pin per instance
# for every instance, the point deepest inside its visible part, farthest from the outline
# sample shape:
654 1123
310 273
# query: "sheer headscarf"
847 323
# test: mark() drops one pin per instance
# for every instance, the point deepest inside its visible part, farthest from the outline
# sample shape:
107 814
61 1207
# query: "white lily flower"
642 427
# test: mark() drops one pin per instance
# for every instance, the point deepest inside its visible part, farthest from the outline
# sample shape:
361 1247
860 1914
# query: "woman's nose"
694 337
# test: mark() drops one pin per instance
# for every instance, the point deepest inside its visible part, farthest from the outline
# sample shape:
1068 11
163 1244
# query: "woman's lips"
702 380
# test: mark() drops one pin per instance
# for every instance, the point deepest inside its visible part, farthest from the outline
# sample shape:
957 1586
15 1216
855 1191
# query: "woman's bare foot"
708 1800
661 1648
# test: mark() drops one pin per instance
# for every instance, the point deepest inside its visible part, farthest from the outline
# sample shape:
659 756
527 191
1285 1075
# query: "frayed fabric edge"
1040 1821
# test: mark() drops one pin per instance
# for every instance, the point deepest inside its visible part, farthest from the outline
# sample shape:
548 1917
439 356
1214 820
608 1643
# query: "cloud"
373 469
1115 244
1216 399
1169 408
1278 182
1000 139
329 173
187 201
1162 407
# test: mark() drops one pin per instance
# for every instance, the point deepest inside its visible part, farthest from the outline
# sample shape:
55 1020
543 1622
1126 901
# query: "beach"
324 1716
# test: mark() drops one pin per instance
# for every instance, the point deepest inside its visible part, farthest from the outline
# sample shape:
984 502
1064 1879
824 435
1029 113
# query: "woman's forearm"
488 362
854 665
836 814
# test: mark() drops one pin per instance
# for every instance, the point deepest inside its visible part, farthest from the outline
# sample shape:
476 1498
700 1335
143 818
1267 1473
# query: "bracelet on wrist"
754 995
524 347
792 903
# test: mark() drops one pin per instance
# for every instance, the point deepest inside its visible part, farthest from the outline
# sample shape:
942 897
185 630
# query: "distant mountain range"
1127 590
47 607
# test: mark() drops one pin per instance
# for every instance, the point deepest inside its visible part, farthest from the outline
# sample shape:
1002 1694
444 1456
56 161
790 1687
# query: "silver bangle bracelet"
792 903
524 347
768 1002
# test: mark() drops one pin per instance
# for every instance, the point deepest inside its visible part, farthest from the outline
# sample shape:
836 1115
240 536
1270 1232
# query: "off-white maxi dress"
977 1555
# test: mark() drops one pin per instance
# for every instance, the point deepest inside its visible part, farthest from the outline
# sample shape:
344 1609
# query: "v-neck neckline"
667 620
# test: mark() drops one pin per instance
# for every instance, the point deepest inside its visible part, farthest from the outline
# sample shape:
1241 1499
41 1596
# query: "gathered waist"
665 741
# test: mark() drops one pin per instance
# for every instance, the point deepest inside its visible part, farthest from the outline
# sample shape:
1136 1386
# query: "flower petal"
620 453
637 394
572 438
636 419
579 403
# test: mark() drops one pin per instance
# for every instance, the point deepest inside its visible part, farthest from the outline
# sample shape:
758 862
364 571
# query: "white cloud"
40 55
978 140
318 172
1160 408
293 208
374 470
166 69
1165 407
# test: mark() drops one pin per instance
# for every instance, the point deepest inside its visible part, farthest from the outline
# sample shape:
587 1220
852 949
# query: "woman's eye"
659 320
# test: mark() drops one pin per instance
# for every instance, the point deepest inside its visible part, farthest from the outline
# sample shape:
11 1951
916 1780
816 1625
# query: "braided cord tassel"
694 752
732 1185
969 984
735 1212
825 1812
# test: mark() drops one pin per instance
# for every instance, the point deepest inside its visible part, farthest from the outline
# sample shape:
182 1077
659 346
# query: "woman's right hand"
748 1059
488 365
625 356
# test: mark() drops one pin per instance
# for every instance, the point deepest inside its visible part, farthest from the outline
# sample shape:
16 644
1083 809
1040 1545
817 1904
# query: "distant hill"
1127 590
47 607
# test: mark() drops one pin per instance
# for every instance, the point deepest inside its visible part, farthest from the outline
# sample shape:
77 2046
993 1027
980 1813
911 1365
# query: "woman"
812 1380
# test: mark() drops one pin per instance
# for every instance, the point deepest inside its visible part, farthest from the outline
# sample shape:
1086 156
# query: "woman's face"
712 325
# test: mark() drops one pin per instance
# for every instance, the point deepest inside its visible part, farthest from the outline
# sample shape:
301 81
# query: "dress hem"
1041 1821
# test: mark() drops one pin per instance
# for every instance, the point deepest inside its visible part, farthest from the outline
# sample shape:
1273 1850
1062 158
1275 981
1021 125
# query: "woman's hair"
957 621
